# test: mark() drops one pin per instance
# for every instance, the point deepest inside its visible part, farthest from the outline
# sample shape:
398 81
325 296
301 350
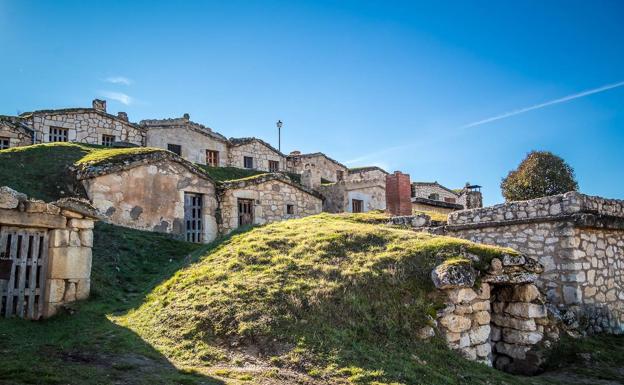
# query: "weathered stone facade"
194 139
260 152
14 133
339 196
499 322
271 194
433 196
578 239
147 193
61 239
84 125
329 168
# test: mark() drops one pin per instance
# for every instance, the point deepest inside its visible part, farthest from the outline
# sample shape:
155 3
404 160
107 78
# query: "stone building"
265 198
45 262
84 125
155 191
330 169
362 190
192 141
432 196
14 132
256 154
578 239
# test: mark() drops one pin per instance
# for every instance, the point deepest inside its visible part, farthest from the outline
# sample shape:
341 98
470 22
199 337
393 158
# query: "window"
4 143
339 175
175 148
434 196
108 140
449 200
212 158
248 162
357 205
273 166
58 134
290 209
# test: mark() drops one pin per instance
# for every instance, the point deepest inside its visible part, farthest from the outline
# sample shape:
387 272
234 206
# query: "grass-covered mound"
327 295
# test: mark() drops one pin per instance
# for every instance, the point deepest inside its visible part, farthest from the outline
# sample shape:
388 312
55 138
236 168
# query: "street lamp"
279 135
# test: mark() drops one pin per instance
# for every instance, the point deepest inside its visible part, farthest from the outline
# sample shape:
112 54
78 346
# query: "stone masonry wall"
270 199
260 153
577 238
85 126
151 197
17 137
68 224
328 169
424 190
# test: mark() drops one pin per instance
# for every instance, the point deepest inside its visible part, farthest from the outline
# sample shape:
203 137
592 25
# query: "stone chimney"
99 105
123 116
398 194
186 117
295 152
311 176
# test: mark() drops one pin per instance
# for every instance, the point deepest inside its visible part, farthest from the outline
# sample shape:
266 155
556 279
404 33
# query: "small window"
212 158
339 175
4 143
357 205
273 166
449 200
434 197
108 140
175 148
290 209
58 134
248 162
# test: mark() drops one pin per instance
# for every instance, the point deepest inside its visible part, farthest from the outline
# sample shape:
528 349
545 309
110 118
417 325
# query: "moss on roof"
114 155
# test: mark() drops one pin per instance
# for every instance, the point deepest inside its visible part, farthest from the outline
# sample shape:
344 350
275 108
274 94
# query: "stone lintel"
25 219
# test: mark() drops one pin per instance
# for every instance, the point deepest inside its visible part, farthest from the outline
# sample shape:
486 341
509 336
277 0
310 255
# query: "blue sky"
395 84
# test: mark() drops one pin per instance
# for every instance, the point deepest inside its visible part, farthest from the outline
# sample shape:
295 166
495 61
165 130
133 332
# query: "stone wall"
500 322
328 167
193 138
366 174
270 195
424 190
18 136
339 196
418 206
150 195
578 239
67 226
84 125
259 151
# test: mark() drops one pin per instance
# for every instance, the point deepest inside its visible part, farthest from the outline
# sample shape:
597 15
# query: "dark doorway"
193 217
245 212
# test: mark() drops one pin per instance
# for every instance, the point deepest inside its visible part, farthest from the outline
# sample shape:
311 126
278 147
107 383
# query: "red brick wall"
398 194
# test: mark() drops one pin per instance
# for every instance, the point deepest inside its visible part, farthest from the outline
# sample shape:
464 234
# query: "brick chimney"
311 176
123 116
99 105
398 194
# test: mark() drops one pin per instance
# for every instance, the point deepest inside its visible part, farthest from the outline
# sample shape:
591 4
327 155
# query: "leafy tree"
540 174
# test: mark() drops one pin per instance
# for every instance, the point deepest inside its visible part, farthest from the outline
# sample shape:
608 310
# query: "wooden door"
23 264
245 212
193 207
357 206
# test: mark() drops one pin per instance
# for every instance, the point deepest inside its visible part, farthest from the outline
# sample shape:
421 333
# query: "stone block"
74 238
514 323
86 238
484 291
513 336
495 333
572 295
483 350
55 290
24 219
511 350
69 262
469 353
35 206
9 198
72 214
463 309
482 317
526 310
513 260
80 223
59 238
448 276
462 295
479 334
83 288
452 337
456 323
525 293
481 306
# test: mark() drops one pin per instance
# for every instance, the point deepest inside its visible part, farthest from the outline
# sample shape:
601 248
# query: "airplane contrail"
545 104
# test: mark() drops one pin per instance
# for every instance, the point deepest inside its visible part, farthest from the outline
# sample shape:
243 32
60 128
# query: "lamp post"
279 135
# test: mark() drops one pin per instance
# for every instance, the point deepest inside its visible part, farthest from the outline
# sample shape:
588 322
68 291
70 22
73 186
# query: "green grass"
434 215
328 295
112 155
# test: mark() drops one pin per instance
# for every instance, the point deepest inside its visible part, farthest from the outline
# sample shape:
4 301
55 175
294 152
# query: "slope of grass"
434 215
327 295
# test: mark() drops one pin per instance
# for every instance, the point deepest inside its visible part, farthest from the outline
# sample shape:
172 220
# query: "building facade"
255 154
330 169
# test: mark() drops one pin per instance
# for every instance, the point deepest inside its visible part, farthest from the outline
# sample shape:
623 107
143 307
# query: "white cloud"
118 80
545 104
118 96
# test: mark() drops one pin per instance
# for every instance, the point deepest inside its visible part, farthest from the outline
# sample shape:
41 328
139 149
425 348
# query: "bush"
540 174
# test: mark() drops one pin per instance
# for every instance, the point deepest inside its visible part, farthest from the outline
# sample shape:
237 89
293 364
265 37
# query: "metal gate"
193 217
23 264
245 212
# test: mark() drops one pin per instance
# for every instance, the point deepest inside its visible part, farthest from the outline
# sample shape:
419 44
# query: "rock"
502 362
452 337
426 333
513 260
514 323
469 353
520 337
525 293
9 198
511 278
481 306
482 317
526 310
455 323
463 309
461 295
495 333
496 266
454 275
483 350
479 335
484 291
511 350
